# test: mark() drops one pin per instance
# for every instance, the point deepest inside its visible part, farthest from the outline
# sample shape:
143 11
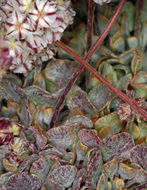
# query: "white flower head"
43 13
18 26
100 2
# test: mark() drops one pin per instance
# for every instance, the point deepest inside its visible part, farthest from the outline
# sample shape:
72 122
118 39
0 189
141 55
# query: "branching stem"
87 58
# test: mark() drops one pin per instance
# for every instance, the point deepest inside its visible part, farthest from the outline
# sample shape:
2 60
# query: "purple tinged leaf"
99 96
61 137
4 177
40 139
25 165
89 138
43 166
112 121
117 145
126 172
102 182
23 181
140 177
78 99
111 168
78 179
138 155
57 74
140 187
79 120
93 169
64 175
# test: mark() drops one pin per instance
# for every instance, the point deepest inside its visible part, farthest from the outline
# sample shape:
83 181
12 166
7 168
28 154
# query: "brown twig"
87 58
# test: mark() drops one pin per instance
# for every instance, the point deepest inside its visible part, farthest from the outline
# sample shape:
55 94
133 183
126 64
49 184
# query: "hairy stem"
87 58
104 81
89 32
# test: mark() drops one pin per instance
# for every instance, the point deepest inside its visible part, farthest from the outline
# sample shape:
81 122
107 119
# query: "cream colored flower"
43 13
18 26
102 1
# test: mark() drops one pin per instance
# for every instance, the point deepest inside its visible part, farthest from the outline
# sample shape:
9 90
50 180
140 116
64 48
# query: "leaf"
102 182
61 137
139 83
23 181
64 175
126 172
77 98
4 177
124 82
40 96
112 121
93 171
57 74
78 179
10 91
89 138
43 166
99 96
40 139
138 155
111 168
24 113
117 145
79 120
140 177
137 61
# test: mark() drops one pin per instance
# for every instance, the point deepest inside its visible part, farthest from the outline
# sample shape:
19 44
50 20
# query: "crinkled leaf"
10 91
137 61
93 171
43 166
24 113
79 120
138 155
23 181
139 83
4 177
64 175
99 96
126 172
77 98
57 74
61 137
25 165
117 145
112 121
102 182
124 82
40 139
39 96
111 168
140 177
78 179
89 138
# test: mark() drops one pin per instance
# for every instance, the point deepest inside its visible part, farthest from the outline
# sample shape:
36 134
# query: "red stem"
89 32
99 77
87 58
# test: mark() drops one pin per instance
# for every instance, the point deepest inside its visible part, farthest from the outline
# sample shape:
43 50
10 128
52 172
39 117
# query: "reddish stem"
99 77
89 32
90 23
87 58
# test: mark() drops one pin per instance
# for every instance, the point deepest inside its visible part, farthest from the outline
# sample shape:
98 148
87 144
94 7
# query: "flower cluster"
102 1
30 27
5 59
125 111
